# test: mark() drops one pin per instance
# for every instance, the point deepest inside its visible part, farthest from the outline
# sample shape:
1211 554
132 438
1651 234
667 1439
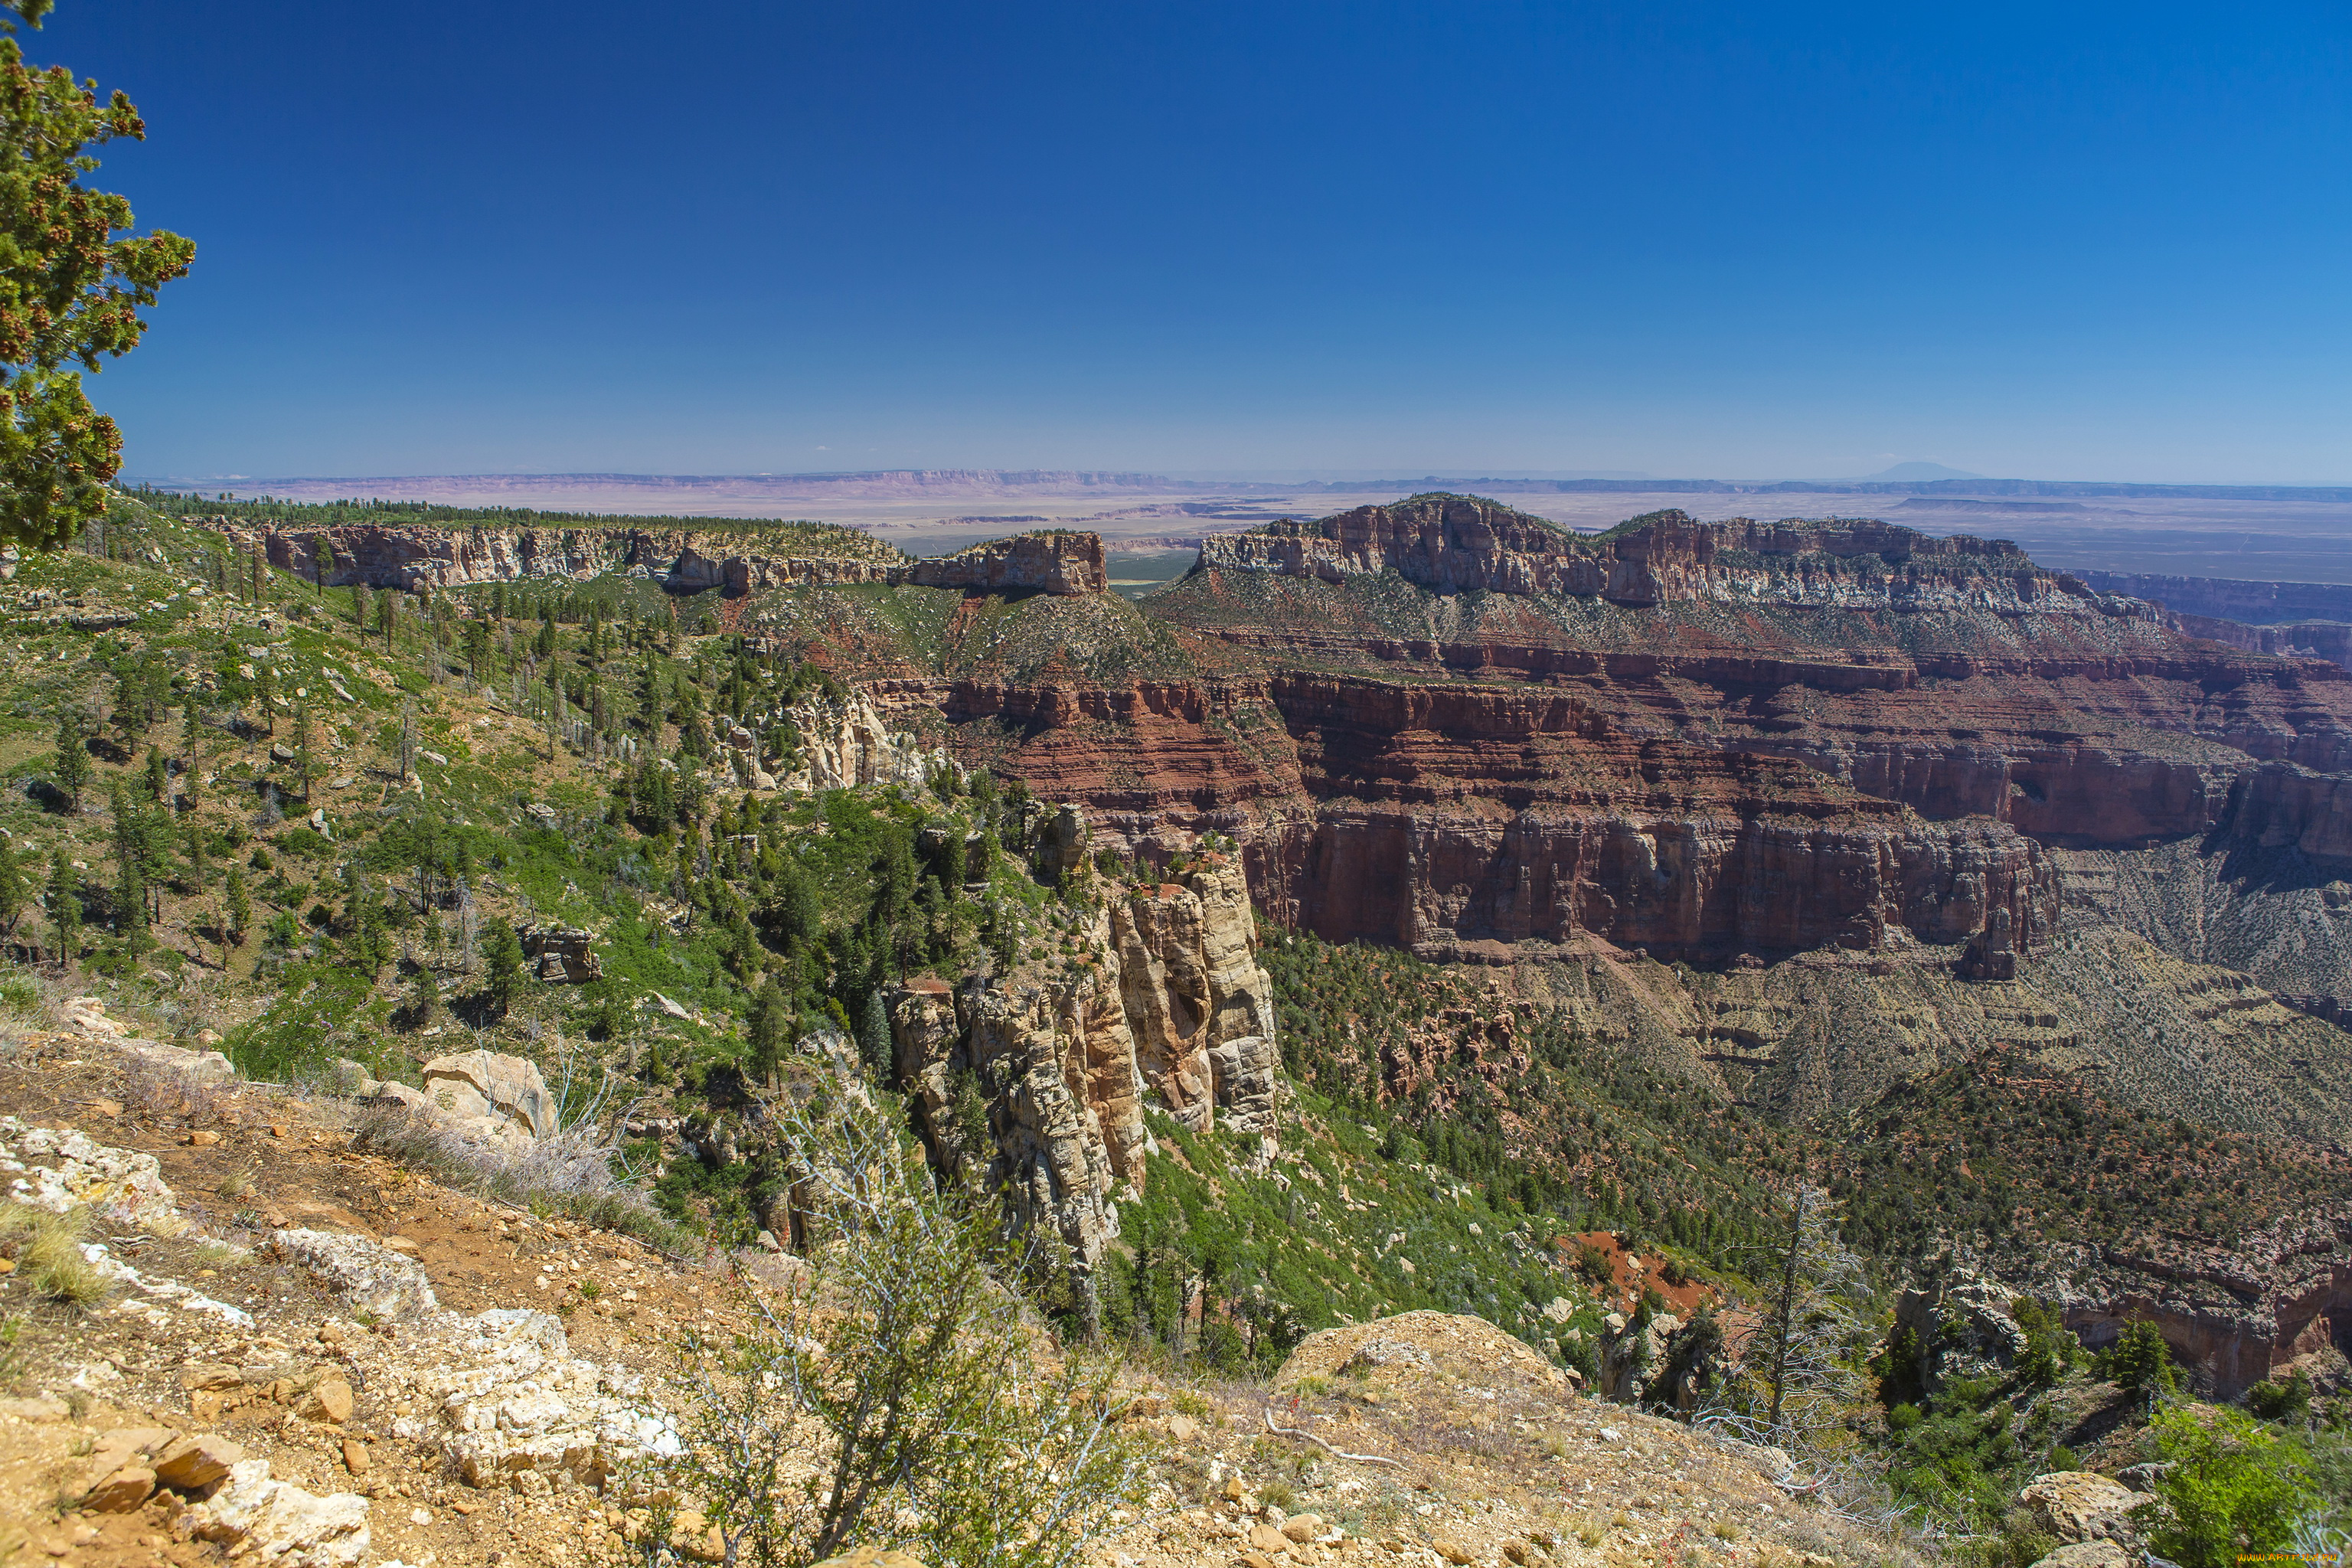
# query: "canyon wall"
2232 599
1455 544
1035 1082
2293 640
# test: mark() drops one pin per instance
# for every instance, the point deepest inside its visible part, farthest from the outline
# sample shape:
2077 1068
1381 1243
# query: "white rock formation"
60 1170
510 1406
372 1278
279 1522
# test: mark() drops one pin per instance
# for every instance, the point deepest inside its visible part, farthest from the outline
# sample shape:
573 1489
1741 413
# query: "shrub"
2287 1401
2234 1487
915 1404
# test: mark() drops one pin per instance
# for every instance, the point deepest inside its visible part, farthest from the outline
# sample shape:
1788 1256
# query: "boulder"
2089 1554
122 1491
280 1523
2082 1505
370 1279
196 1462
501 1095
209 1069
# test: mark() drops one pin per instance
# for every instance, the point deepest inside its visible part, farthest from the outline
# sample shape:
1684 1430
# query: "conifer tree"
70 291
73 760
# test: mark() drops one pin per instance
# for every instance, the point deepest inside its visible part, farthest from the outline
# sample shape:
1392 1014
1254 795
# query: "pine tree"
240 908
159 777
874 1038
502 962
770 1015
73 760
70 291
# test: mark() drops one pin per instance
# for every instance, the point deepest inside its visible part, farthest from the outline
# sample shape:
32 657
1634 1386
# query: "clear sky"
1738 240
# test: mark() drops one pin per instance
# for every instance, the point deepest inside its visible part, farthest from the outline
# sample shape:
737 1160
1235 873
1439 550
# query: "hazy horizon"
1227 239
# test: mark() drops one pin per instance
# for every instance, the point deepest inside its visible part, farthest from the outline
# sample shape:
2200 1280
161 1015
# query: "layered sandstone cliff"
1035 1082
1455 544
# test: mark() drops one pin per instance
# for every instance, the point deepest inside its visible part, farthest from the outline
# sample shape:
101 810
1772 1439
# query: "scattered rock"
872 1557
2089 1554
355 1456
1302 1527
329 1401
1453 1551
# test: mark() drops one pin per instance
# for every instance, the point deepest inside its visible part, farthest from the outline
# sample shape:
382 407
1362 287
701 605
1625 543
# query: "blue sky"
1738 240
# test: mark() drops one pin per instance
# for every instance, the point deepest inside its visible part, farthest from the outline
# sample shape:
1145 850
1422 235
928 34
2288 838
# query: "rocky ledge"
416 556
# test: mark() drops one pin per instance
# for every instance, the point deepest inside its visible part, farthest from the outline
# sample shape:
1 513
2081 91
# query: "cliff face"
411 557
1036 1083
2329 640
1443 725
2232 599
1455 544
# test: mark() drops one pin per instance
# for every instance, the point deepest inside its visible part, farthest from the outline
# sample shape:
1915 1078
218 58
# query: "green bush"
2282 1401
2235 1487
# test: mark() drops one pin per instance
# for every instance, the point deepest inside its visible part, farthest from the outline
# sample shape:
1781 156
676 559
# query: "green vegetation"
2235 1487
2050 1161
1508 1095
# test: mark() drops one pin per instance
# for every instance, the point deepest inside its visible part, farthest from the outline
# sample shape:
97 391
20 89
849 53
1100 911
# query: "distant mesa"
1971 503
1915 473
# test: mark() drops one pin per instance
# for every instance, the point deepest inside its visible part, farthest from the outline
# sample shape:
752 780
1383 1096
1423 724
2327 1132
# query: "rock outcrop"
279 1523
845 744
47 1168
368 1278
508 1406
1457 544
485 1096
1036 1083
562 954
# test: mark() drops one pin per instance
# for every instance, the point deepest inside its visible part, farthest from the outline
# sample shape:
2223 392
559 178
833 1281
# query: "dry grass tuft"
47 1247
